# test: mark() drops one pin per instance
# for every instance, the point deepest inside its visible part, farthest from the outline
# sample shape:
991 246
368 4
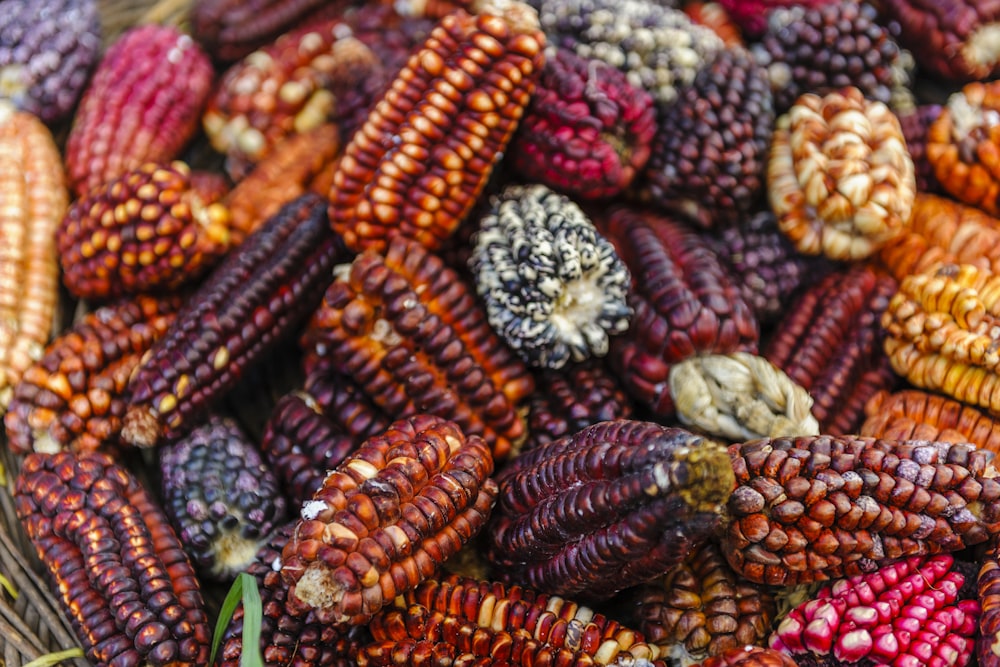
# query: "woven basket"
117 16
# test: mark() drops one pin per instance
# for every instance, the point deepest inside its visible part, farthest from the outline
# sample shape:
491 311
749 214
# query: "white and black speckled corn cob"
221 498
47 51
257 296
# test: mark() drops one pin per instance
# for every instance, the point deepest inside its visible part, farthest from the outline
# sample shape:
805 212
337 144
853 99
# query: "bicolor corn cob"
683 299
143 104
257 296
423 156
943 231
74 397
33 199
387 517
113 561
610 506
823 507
830 344
219 496
702 608
462 621
749 656
301 81
941 334
411 335
149 230
912 414
988 595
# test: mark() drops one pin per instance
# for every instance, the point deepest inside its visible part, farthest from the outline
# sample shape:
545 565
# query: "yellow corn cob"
33 199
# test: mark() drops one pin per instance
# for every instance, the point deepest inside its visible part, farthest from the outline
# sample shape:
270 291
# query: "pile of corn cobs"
622 333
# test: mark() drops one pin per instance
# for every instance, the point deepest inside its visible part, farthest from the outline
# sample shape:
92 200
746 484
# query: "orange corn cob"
911 414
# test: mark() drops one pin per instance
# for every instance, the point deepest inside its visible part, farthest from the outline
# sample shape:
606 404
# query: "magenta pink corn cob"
905 614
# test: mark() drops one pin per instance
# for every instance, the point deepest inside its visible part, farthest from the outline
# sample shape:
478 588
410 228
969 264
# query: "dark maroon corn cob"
587 131
570 399
915 123
684 303
988 594
287 639
142 105
257 296
74 396
113 561
822 507
220 497
830 344
47 51
611 506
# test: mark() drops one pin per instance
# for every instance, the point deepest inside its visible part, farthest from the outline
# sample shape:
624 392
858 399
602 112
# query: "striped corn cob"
258 295
423 156
941 334
147 231
462 621
74 396
823 507
319 73
988 594
33 199
113 561
943 231
411 335
683 299
142 105
912 414
830 344
387 517
610 506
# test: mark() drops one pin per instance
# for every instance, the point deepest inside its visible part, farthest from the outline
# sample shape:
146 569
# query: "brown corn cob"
912 414
423 156
142 105
822 507
113 561
34 198
683 300
258 295
410 333
941 334
749 656
462 621
830 344
988 590
943 231
289 171
74 396
703 606
315 74
387 517
148 230
611 506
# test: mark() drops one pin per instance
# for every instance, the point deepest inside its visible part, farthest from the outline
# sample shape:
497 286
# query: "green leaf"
50 659
244 590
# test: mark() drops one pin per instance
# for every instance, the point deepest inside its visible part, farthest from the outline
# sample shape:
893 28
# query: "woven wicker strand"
117 16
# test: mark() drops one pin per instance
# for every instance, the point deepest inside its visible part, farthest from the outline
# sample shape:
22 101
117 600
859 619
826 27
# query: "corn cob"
823 507
611 506
462 621
702 608
113 560
142 105
423 156
943 231
683 299
941 333
714 16
915 123
74 396
912 414
33 199
306 78
289 171
258 295
988 594
387 517
148 230
410 334
221 499
831 344
749 656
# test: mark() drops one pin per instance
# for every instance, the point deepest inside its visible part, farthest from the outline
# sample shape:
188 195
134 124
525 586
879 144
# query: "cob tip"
140 428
